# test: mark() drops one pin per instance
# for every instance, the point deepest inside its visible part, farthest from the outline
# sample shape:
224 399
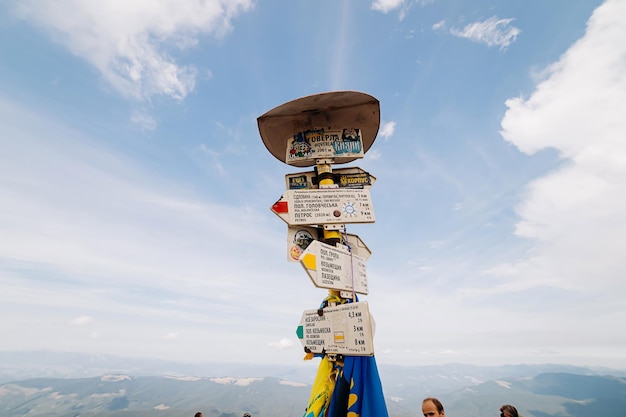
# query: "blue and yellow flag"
358 391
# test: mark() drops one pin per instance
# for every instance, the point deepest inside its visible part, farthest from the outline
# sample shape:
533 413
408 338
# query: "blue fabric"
358 391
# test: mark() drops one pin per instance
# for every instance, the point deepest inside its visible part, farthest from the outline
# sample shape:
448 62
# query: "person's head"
432 407
508 410
198 414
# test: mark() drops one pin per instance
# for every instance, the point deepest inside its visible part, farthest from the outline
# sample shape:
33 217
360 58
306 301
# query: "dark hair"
198 414
437 403
510 410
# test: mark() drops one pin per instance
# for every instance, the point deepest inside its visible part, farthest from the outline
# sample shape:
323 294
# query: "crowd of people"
432 407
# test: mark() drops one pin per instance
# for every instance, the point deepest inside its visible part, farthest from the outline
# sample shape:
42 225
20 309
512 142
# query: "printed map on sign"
320 143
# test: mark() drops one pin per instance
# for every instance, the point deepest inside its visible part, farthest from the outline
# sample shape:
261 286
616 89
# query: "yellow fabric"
322 389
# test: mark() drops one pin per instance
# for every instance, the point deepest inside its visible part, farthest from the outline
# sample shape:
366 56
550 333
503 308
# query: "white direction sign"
345 329
325 206
334 267
300 237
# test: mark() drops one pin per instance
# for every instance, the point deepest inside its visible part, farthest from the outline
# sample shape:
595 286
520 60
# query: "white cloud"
439 25
212 156
492 32
87 231
282 344
127 41
386 6
69 187
242 382
144 120
204 149
577 214
81 321
387 129
374 154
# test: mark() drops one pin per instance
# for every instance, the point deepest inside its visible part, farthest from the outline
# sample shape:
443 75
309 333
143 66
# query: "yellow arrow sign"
334 267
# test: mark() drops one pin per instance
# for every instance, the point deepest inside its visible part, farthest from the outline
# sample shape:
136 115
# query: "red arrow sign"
325 206
280 207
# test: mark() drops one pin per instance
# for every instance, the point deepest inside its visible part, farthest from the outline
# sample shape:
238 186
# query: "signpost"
325 206
322 130
345 329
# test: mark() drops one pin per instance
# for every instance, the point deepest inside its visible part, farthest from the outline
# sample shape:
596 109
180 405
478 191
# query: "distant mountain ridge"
123 395
555 394
547 394
36 364
164 389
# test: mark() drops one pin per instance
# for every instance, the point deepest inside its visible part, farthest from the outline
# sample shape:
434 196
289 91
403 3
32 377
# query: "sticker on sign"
345 330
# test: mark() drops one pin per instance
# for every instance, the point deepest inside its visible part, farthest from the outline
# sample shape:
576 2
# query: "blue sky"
135 189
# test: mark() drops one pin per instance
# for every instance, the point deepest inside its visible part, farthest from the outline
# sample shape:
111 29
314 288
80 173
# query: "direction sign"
352 177
299 238
335 111
334 268
325 206
345 329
